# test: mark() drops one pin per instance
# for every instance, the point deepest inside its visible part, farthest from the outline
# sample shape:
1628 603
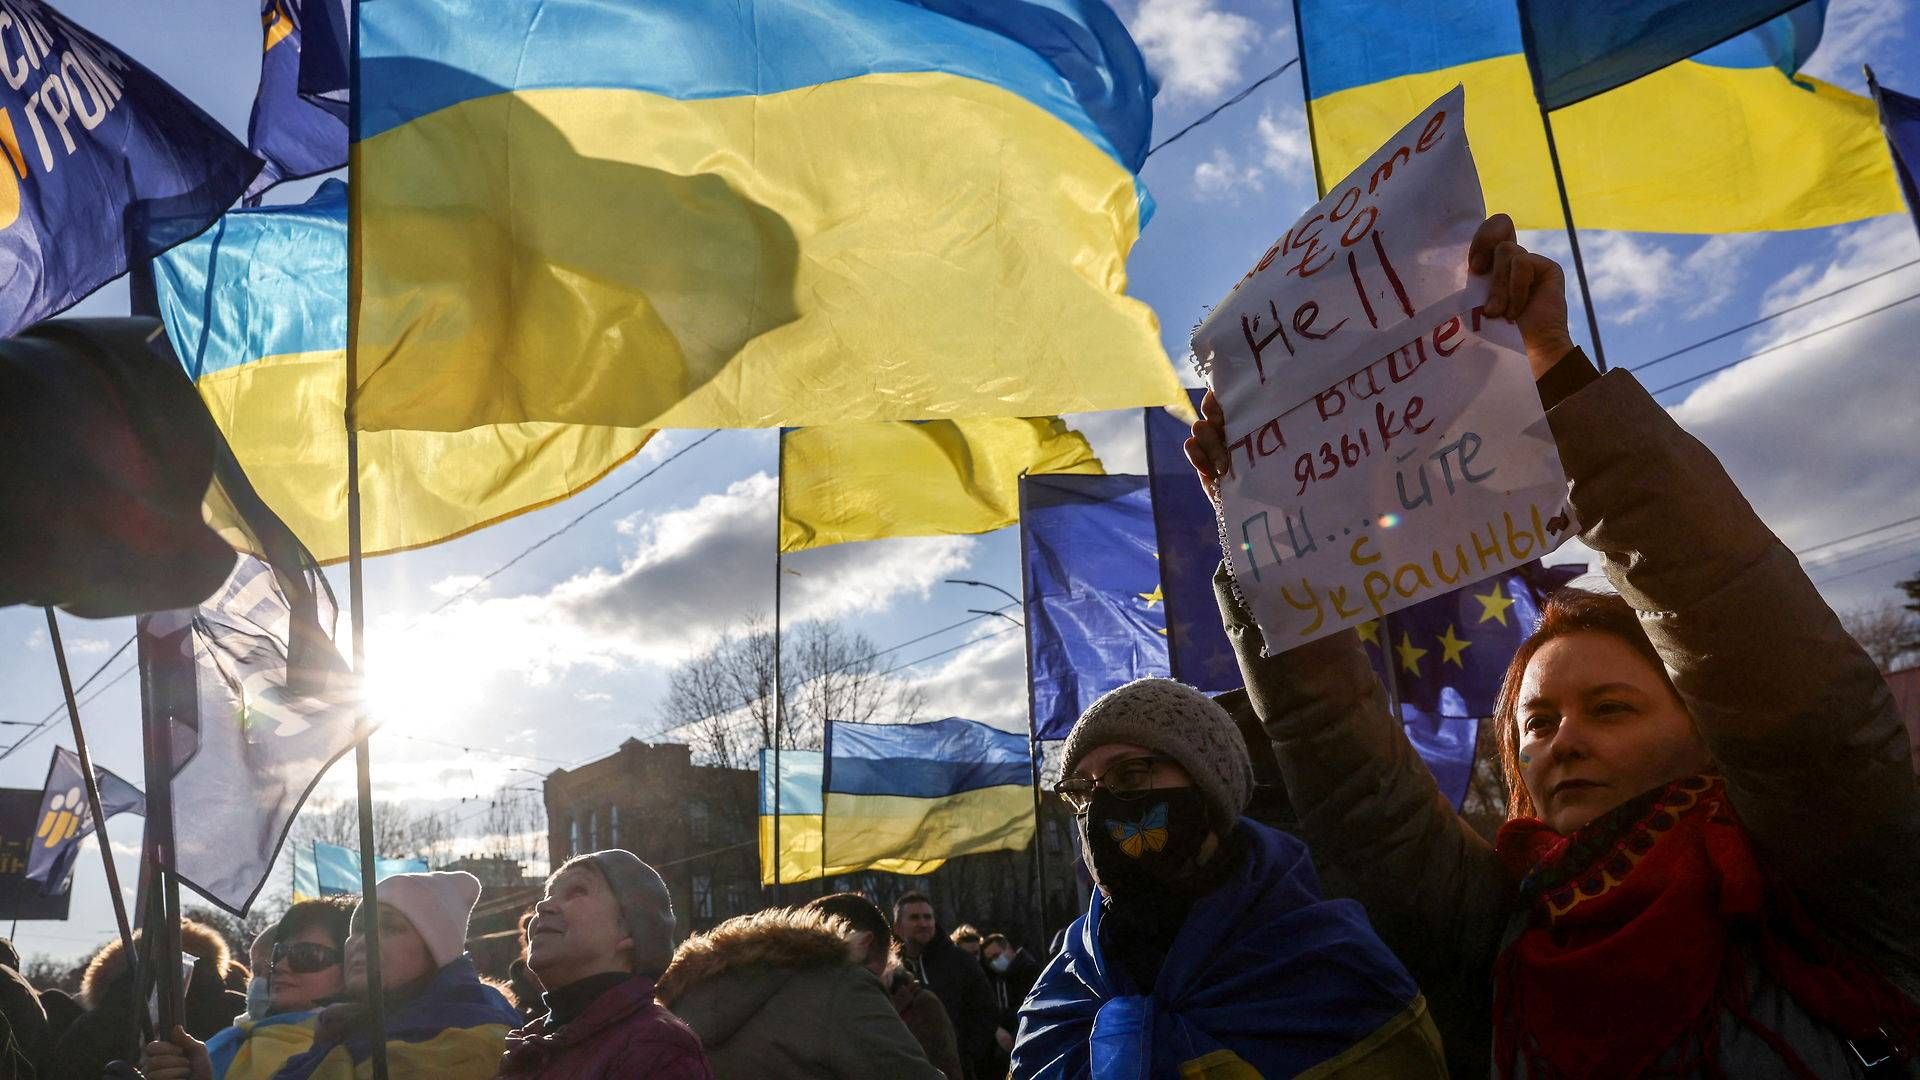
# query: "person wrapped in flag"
1207 948
1708 863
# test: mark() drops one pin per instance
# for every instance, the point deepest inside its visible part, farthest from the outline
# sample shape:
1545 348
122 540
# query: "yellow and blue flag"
66 818
1723 141
908 797
852 482
1095 610
92 146
799 805
332 870
792 213
1579 50
294 136
256 308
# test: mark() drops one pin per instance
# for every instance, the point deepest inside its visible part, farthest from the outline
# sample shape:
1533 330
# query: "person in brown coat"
1709 868
785 993
919 1008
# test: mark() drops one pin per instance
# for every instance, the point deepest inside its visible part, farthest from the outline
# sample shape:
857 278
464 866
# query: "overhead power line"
1784 344
1224 106
1858 535
1772 315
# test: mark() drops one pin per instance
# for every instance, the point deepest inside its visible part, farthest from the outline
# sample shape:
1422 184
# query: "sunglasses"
1131 778
305 957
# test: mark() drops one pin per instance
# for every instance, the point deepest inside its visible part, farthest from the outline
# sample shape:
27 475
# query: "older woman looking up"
1711 868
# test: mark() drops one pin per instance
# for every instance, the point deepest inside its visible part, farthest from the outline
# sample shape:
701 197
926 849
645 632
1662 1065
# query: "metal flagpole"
93 794
1393 677
362 761
1306 103
1033 730
779 699
1573 240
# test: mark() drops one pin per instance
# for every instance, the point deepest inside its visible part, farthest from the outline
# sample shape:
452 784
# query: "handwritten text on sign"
1411 461
1386 242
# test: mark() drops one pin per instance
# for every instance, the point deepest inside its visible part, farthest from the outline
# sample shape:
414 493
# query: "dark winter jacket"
955 974
109 1029
920 1009
1010 989
1800 723
26 1017
623 1033
779 994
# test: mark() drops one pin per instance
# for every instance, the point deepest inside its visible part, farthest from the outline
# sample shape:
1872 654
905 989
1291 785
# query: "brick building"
698 825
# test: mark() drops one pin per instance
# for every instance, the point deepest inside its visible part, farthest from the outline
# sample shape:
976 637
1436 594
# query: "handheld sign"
1387 442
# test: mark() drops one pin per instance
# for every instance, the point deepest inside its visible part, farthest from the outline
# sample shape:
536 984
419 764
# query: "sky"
566 653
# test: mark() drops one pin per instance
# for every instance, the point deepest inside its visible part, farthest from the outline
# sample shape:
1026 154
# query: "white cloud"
693 573
87 646
36 640
1285 159
1635 276
1193 47
455 584
986 681
1819 435
1856 31
1118 438
593 697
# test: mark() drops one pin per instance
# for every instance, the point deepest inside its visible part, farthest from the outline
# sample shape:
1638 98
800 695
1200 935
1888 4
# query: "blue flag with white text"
293 135
93 146
1095 611
65 818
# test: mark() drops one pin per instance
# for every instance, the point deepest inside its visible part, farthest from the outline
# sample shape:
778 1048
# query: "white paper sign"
1411 460
1386 242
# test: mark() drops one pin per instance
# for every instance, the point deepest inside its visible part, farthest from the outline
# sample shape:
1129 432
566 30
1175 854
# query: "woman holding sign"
1712 862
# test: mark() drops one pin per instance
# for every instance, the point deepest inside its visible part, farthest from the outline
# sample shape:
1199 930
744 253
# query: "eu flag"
1189 537
92 145
1448 655
1096 615
66 819
293 135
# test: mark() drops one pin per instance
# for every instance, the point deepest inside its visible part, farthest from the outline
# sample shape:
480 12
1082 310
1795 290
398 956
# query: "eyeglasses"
1129 778
305 957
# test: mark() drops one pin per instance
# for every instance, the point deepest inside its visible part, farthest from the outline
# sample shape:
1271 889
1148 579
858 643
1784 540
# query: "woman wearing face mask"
1207 945
298 967
1710 868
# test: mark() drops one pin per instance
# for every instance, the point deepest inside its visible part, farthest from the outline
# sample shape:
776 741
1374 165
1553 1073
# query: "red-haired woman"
1713 863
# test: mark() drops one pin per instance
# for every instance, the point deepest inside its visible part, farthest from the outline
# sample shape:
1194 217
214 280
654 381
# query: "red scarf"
1640 931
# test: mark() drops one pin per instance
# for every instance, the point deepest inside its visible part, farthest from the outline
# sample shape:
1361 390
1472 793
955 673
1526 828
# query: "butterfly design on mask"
1139 837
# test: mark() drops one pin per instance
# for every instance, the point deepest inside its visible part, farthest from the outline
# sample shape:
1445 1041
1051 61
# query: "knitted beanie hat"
645 905
1174 719
438 905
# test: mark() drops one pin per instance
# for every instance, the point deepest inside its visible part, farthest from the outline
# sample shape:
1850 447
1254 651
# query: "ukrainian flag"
896 798
916 478
753 213
256 308
1725 141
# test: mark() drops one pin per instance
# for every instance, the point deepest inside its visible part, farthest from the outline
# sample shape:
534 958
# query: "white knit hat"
438 905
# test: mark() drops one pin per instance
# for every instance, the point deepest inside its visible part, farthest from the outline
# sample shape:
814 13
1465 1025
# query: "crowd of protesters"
1709 867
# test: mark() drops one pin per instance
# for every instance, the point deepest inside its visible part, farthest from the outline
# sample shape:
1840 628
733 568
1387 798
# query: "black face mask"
1144 847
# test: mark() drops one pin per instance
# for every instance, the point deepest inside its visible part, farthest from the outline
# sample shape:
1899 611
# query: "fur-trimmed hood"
782 938
109 965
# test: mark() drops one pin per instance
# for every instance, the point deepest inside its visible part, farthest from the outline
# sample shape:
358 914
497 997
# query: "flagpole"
93 787
362 758
1033 730
1306 103
1880 114
1573 240
1392 680
779 702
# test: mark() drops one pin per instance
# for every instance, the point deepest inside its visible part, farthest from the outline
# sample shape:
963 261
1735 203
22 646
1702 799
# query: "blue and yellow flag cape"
1724 141
93 146
784 213
916 478
256 308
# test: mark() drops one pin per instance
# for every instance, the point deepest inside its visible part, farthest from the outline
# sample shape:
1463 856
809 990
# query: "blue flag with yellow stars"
1189 536
294 136
66 819
93 146
1449 655
1096 615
